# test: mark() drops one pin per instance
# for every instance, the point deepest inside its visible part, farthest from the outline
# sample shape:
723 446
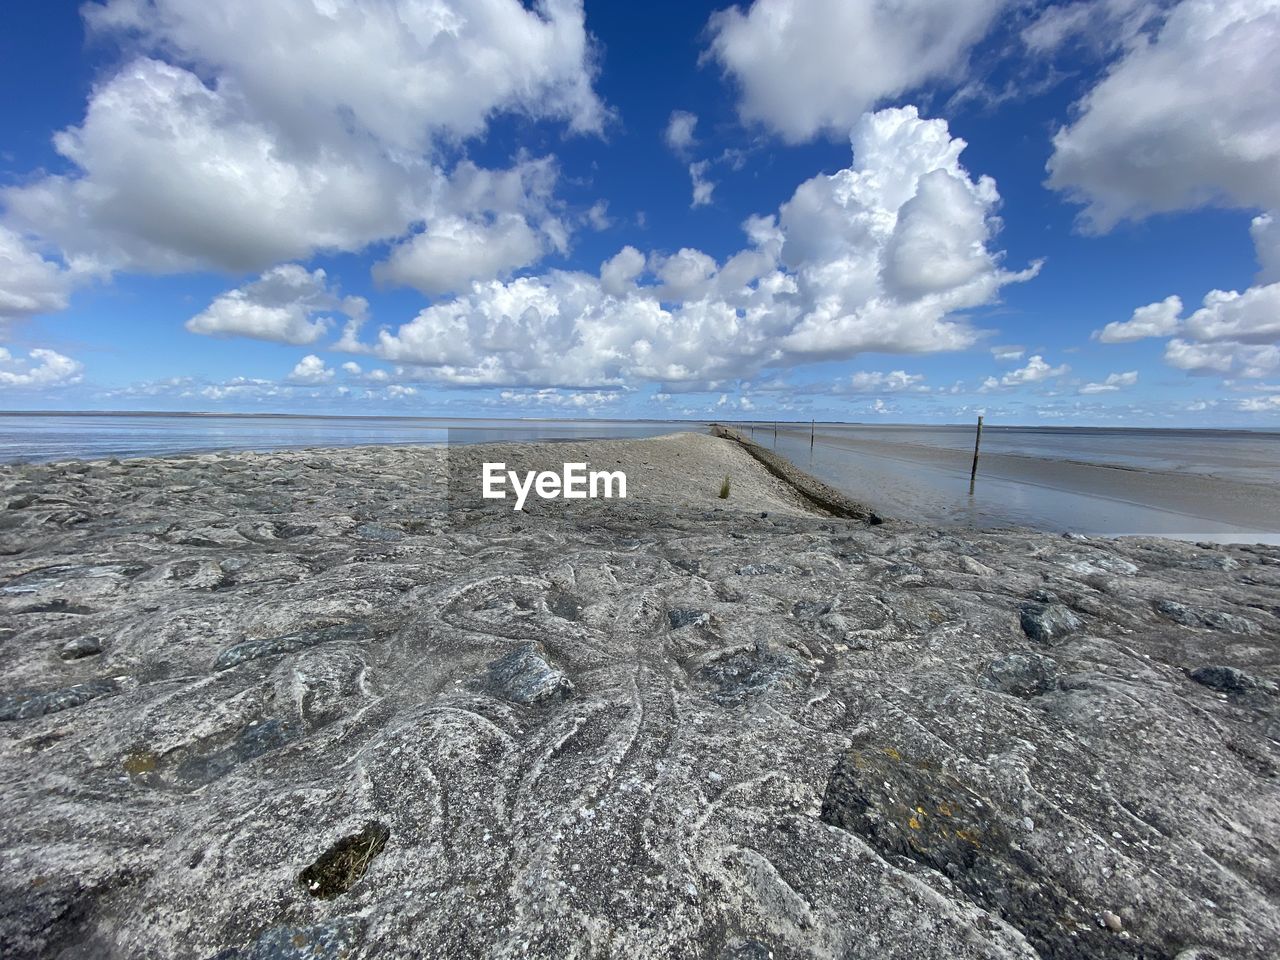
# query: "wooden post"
813 426
977 442
775 434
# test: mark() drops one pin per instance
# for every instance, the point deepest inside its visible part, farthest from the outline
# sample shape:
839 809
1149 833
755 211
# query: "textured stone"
1047 622
562 774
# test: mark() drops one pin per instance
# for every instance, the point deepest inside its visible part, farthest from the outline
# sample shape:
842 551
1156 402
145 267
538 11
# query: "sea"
1205 485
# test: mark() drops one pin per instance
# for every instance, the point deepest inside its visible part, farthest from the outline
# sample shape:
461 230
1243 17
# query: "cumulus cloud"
679 132
1188 118
1037 370
311 369
1114 382
29 284
807 66
1232 333
287 304
1236 359
882 256
876 381
488 223
1154 320
244 135
40 368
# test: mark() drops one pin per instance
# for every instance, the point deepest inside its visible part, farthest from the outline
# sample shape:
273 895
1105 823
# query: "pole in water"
775 433
977 442
813 425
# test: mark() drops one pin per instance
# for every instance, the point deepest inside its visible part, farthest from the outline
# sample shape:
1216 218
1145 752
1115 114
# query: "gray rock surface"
483 733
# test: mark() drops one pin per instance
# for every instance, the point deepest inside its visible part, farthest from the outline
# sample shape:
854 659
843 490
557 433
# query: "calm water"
1197 484
1221 485
68 436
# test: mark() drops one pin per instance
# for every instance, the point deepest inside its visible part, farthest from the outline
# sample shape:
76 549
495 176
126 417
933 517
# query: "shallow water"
32 438
1193 484
1219 485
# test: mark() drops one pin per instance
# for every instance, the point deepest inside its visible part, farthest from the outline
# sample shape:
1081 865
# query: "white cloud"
487 224
1265 230
702 187
29 284
453 251
679 132
352 368
839 271
402 70
1189 118
1037 370
618 274
1261 404
1008 353
880 382
1114 382
1154 320
295 127
1249 317
41 368
1225 358
1102 24
311 369
281 306
1231 334
550 397
598 216
807 66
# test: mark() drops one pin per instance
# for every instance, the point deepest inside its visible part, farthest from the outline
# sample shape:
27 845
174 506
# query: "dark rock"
1211 619
253 649
811 609
258 738
748 673
686 618
1046 622
26 704
1230 680
80 647
524 676
1022 674
911 809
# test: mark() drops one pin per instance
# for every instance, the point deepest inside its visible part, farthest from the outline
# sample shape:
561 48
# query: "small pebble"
1112 922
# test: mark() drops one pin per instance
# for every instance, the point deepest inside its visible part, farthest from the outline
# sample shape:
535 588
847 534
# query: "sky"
857 210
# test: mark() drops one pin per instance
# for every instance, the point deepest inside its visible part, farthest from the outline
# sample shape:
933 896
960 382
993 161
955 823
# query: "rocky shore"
328 704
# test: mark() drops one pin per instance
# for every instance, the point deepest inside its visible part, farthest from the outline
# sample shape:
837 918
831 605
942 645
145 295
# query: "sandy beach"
329 703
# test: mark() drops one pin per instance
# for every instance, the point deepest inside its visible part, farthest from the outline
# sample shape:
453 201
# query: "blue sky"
685 210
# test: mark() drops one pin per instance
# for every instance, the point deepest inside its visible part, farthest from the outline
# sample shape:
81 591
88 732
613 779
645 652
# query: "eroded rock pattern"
324 718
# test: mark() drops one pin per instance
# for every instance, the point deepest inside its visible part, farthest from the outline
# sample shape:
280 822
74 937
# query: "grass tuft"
724 489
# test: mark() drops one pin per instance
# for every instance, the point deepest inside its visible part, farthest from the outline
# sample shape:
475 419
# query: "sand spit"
300 705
